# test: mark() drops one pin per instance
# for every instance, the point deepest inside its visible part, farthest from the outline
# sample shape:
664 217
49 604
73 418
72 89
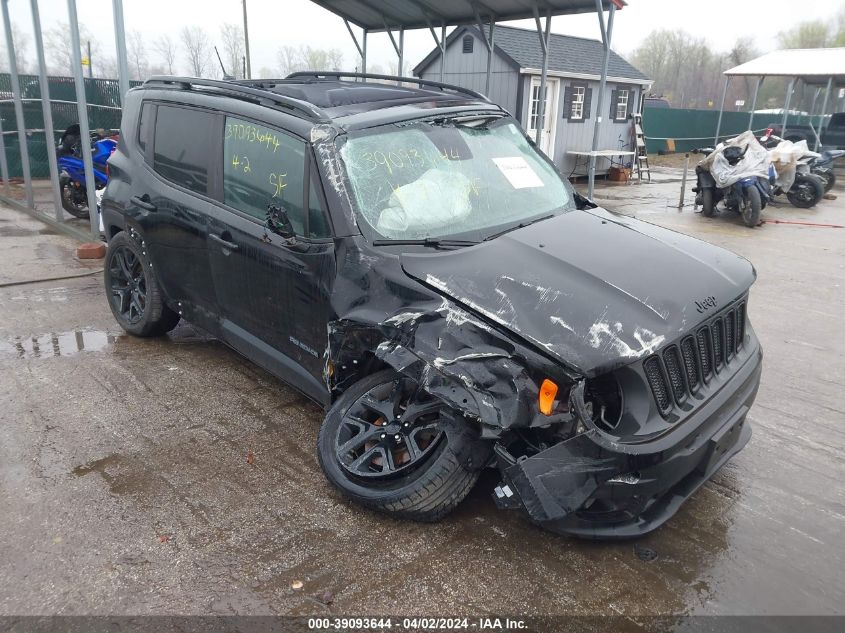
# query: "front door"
273 292
549 123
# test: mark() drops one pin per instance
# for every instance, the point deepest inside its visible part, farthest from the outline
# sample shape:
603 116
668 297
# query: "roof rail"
335 74
303 109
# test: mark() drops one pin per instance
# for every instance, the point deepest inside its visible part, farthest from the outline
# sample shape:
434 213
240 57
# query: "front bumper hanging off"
589 487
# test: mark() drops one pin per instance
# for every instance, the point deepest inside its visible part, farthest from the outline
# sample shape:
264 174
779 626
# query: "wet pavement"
172 476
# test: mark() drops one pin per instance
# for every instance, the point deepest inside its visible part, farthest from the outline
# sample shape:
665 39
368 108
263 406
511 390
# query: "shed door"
547 137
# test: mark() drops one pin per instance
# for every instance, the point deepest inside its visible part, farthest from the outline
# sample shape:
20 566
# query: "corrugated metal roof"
567 54
812 64
375 15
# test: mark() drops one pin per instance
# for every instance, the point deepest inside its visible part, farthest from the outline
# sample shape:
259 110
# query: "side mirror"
278 222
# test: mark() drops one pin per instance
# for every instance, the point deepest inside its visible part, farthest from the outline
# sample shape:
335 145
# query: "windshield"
438 179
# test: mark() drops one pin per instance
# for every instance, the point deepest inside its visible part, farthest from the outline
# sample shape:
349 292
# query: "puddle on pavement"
18 231
57 344
118 473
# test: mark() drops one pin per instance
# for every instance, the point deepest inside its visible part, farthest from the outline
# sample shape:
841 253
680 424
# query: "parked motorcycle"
823 167
72 182
805 189
726 175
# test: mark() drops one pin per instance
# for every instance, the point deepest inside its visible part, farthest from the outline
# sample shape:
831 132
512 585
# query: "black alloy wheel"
391 429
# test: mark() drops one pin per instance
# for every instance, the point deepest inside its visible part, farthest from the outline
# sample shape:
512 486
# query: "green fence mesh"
103 96
696 128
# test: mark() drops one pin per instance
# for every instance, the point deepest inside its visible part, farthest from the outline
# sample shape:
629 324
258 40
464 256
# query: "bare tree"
58 52
136 52
232 36
107 68
165 47
291 59
21 42
197 49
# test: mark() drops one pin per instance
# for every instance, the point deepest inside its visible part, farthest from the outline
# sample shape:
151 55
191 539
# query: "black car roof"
328 98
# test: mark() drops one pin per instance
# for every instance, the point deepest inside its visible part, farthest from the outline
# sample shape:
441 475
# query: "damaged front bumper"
590 487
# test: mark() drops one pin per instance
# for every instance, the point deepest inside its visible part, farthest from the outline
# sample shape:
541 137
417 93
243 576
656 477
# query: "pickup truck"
833 136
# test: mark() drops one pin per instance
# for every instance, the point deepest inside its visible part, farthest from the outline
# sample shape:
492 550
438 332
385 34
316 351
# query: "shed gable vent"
468 42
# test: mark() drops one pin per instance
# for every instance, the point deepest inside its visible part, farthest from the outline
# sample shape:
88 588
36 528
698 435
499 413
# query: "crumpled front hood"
593 289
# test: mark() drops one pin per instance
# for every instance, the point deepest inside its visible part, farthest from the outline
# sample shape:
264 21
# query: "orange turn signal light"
548 391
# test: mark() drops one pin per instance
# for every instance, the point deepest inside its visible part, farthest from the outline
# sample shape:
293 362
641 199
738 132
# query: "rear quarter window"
184 146
144 123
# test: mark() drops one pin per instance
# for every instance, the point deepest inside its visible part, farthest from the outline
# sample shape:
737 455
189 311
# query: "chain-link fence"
102 95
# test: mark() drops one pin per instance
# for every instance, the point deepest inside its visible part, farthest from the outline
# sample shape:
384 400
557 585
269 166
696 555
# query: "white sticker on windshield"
518 172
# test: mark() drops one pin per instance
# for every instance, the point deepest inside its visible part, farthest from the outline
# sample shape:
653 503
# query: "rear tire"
751 206
417 477
132 289
806 191
708 207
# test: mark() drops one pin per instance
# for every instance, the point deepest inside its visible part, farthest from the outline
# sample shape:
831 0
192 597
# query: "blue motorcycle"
747 196
72 169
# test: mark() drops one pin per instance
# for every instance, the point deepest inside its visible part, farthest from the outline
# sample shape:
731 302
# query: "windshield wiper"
428 241
521 225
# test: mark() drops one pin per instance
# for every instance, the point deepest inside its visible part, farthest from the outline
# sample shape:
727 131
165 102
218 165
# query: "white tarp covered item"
785 158
755 162
435 200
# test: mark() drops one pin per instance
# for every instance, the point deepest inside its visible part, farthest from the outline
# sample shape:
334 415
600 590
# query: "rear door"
273 293
173 201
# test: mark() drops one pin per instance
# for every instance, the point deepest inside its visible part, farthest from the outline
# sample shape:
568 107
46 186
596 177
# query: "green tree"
811 34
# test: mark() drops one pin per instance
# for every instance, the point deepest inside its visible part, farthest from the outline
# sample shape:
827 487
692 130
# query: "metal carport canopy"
813 66
374 16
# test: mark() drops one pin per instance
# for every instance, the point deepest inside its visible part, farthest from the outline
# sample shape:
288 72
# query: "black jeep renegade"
407 258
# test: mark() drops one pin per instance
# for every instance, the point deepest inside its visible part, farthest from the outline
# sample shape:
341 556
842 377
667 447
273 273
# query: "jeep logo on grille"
705 304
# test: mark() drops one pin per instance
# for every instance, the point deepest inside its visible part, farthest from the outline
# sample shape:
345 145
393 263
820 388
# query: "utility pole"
90 63
246 45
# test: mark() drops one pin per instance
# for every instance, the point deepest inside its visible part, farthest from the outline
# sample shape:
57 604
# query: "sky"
273 23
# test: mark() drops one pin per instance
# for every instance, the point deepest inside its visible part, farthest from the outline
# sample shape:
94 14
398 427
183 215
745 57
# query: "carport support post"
82 110
824 109
4 166
16 94
606 36
490 58
786 108
721 110
754 101
357 45
120 46
401 50
541 98
47 110
442 51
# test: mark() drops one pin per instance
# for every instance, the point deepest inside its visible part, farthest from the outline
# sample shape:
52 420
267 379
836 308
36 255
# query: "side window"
263 166
183 146
144 125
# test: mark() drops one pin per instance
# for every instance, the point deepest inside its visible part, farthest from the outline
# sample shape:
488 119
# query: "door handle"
224 243
143 202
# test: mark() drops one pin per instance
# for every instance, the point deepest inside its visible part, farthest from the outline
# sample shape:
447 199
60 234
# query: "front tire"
751 206
806 191
828 178
132 290
390 447
708 207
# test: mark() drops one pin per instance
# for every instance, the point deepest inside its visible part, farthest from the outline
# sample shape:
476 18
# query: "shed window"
578 94
622 105
468 43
